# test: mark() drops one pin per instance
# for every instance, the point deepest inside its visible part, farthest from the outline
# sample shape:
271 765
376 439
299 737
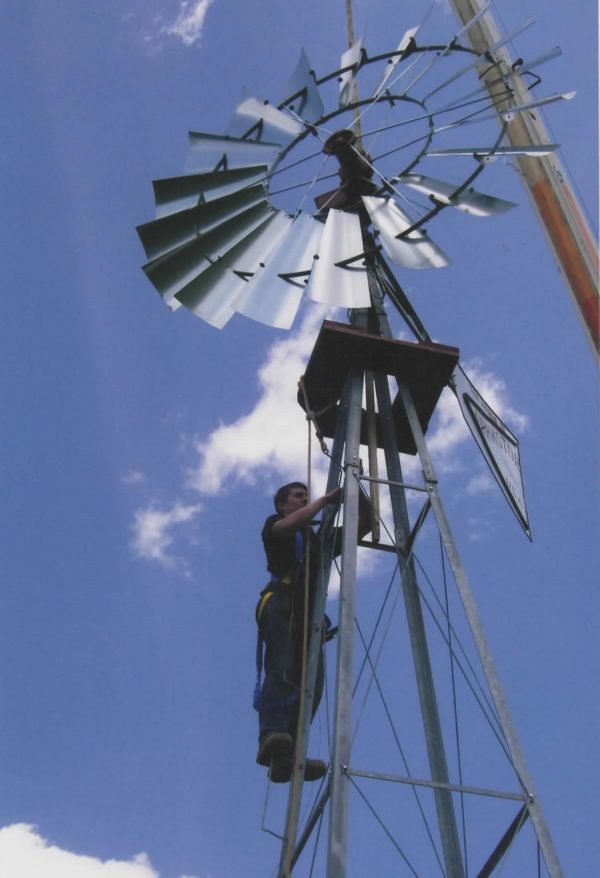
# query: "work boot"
274 745
281 770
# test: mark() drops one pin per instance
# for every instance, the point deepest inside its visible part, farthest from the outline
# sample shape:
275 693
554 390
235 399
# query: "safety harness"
274 585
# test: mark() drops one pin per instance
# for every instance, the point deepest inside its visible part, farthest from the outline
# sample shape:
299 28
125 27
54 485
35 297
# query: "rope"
312 416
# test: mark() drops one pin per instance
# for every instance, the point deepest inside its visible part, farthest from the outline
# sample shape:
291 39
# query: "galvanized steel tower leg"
423 673
514 747
418 639
342 732
327 536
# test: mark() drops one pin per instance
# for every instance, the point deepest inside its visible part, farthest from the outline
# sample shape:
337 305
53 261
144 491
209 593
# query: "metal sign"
498 445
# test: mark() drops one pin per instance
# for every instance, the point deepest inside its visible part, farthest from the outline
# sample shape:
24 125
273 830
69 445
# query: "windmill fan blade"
393 62
335 284
483 55
491 152
416 251
173 194
273 295
525 67
167 233
177 268
210 152
212 294
307 104
347 79
510 112
469 200
260 119
431 64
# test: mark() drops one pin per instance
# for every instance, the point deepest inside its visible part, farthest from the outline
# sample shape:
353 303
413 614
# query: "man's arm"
303 516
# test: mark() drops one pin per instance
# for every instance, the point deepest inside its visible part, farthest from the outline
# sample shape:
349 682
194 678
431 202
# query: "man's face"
296 499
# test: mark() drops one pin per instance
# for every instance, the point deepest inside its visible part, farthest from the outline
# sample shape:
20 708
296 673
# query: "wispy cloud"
271 440
153 538
24 852
267 445
451 430
188 26
480 483
133 477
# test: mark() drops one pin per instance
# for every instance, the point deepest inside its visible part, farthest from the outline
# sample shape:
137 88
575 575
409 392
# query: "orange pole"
575 248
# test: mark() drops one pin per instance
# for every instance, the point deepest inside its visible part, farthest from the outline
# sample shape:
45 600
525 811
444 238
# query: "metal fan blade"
511 112
534 63
173 194
484 55
167 233
210 152
307 104
471 22
487 153
416 251
524 67
470 200
507 113
273 294
173 271
212 294
448 47
260 119
393 62
335 284
347 79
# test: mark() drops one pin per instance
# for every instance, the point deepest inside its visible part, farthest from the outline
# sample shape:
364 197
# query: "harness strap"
265 595
259 666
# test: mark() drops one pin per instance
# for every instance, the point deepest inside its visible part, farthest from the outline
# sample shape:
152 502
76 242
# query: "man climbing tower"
280 618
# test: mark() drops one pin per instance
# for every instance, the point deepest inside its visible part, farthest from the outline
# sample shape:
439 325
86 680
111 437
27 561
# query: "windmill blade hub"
355 172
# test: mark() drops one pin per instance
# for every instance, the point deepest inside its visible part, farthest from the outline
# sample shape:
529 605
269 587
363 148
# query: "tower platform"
425 367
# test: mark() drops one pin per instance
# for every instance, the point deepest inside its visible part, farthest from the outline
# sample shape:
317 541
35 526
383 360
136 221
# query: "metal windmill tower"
221 244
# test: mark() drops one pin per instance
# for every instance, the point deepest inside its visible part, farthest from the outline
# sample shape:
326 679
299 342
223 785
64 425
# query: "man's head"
290 497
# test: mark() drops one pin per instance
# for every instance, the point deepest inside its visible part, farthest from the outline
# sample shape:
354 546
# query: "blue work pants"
280 695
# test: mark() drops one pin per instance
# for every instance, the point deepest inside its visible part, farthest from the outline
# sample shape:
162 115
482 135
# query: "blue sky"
140 447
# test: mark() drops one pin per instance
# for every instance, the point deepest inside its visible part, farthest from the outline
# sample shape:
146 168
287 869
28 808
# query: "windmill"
226 241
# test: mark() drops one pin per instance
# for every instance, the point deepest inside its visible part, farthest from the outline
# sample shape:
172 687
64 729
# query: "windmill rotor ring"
239 232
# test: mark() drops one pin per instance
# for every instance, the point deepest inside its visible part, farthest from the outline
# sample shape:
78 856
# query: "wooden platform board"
425 367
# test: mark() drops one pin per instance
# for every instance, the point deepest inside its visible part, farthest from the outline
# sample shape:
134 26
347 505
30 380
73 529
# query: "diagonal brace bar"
504 843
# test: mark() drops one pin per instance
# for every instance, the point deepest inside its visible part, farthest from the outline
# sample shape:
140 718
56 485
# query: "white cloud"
268 445
153 532
480 483
270 442
25 854
451 429
189 24
133 477
494 390
479 529
272 439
